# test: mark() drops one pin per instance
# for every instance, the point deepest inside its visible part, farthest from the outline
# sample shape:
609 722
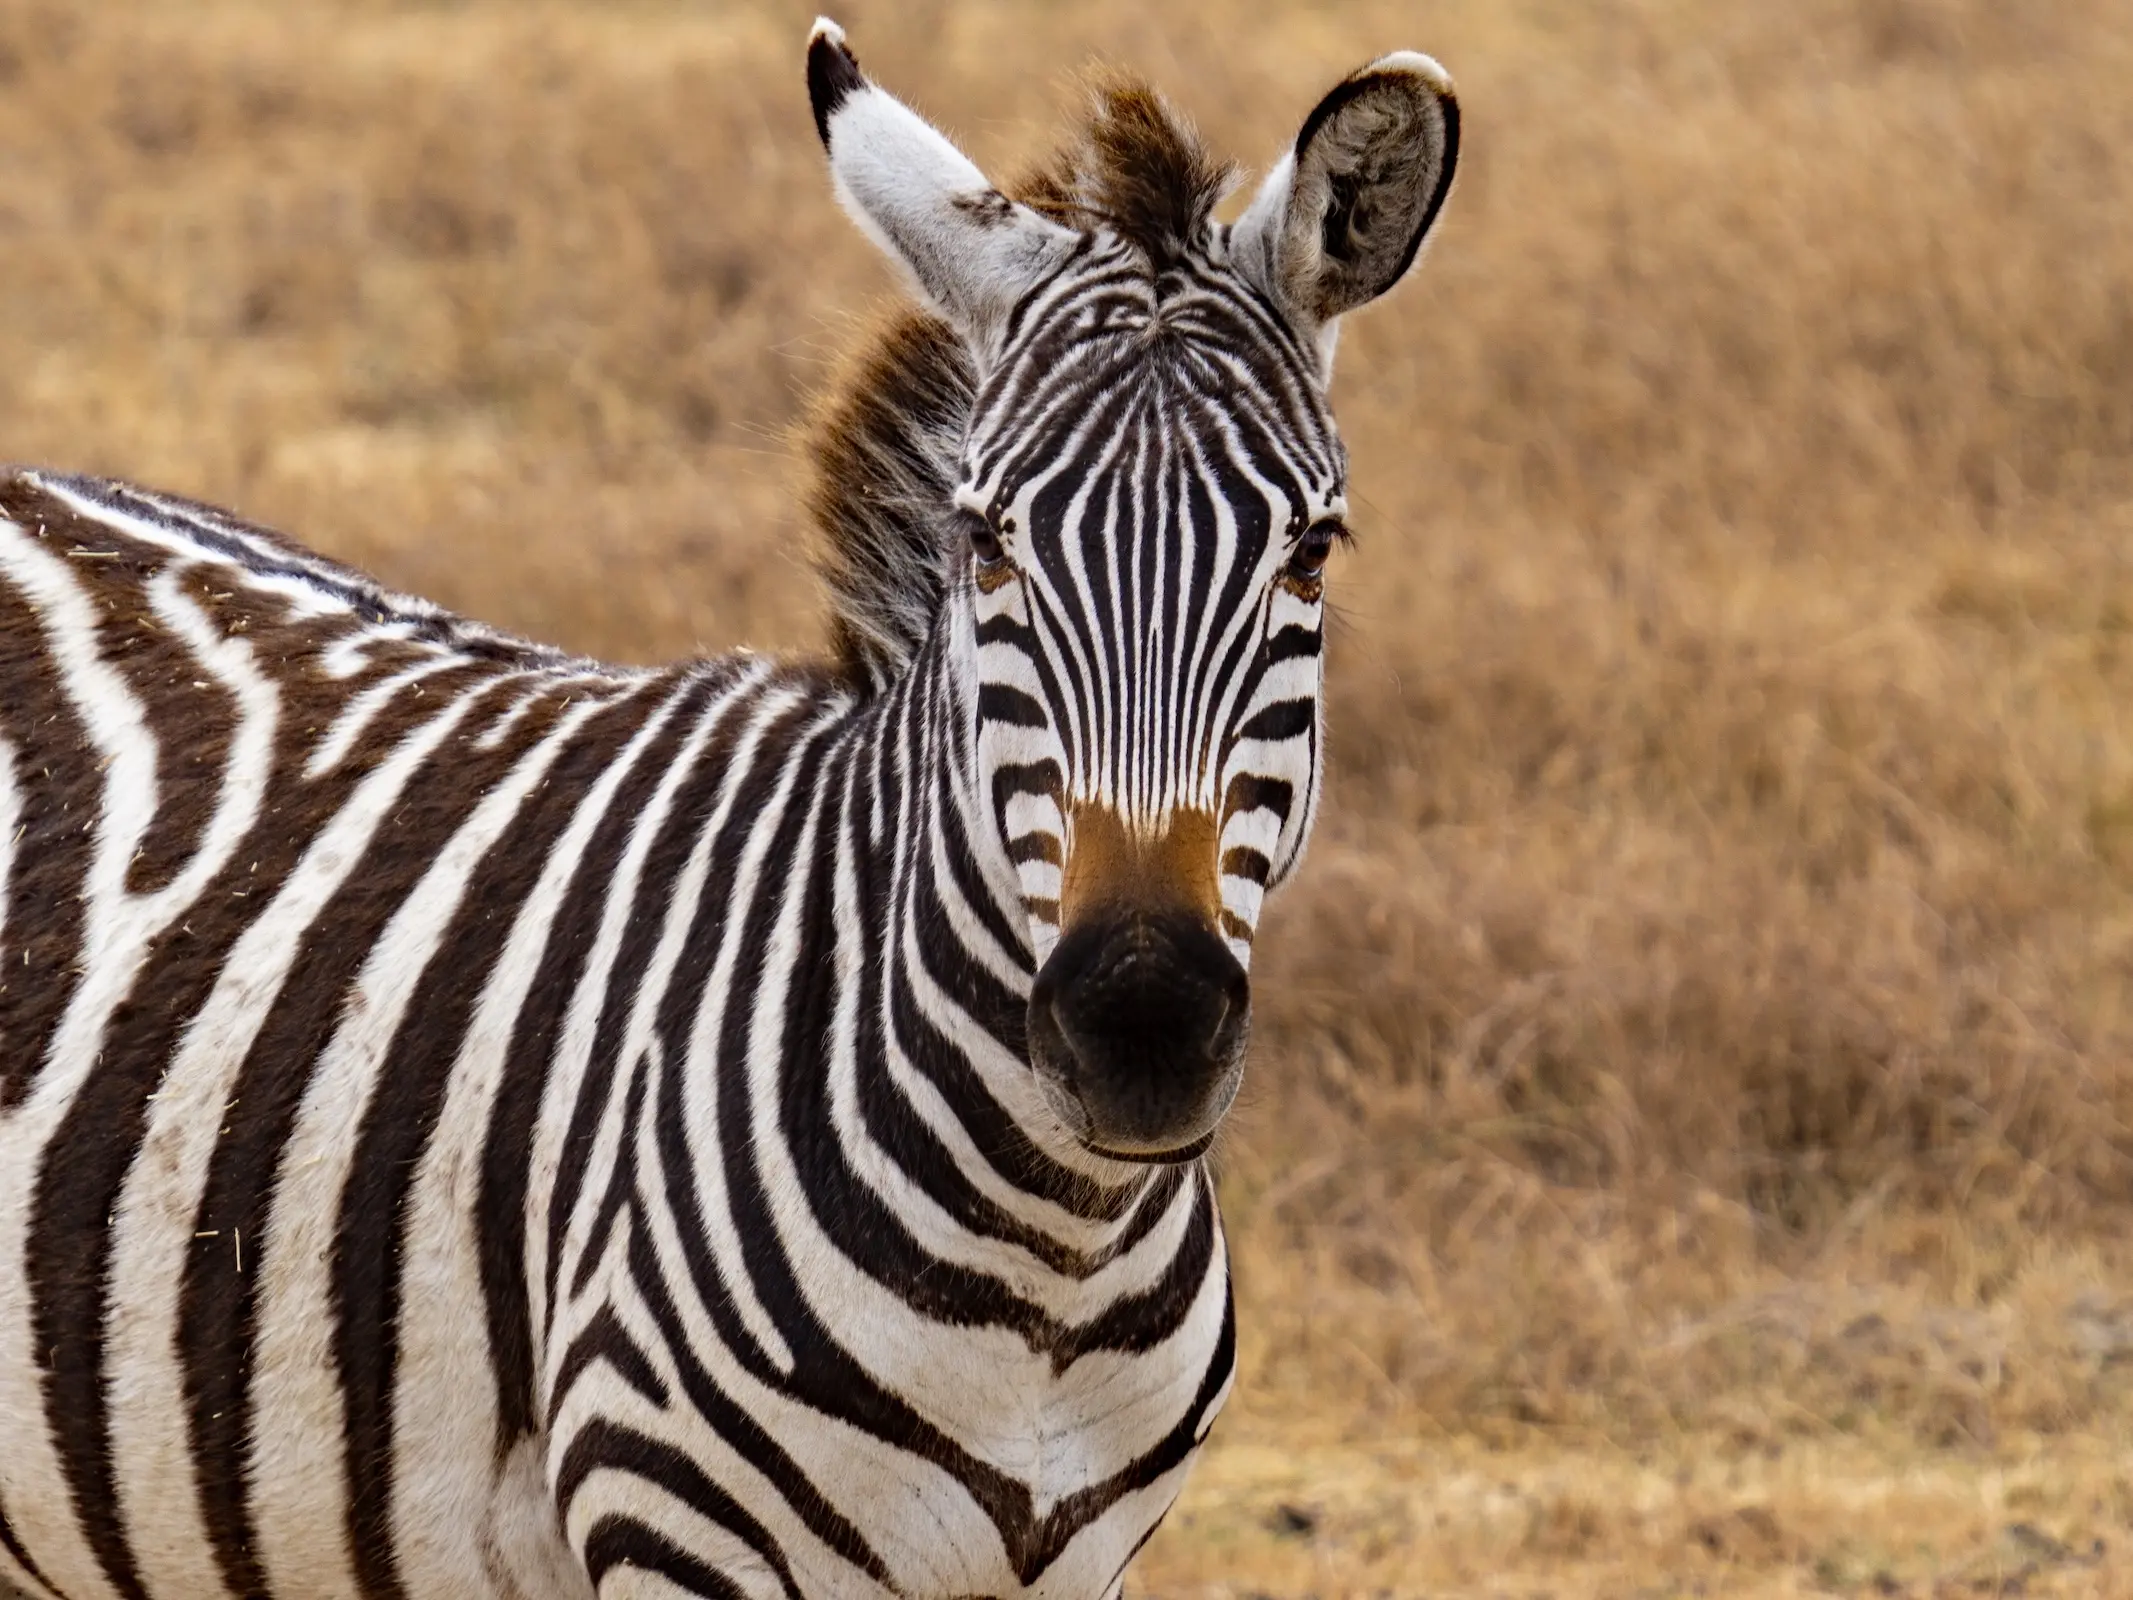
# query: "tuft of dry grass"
1691 1134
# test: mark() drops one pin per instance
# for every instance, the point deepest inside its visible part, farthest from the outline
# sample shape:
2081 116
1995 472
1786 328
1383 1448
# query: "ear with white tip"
1341 219
971 250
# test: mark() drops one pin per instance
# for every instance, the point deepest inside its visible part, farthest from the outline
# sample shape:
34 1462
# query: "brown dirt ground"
1689 1147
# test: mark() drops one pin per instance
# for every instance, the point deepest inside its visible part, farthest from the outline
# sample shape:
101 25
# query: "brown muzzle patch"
1111 867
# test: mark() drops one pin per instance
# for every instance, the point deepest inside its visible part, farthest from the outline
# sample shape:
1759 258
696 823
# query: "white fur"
152 1232
119 926
296 1463
966 248
574 1050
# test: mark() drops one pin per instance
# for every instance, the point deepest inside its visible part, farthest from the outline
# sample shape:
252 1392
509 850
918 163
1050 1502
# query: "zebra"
477 1121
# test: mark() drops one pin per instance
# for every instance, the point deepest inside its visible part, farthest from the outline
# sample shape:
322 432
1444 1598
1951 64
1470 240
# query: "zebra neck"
935 966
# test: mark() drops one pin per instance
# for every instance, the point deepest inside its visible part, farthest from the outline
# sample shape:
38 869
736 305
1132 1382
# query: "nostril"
1224 1029
1042 990
1225 1041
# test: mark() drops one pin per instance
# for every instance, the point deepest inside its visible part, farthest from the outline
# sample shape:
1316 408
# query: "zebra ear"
1341 219
972 251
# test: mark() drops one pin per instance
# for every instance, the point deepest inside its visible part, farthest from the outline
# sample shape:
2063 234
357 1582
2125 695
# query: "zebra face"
1151 488
1150 484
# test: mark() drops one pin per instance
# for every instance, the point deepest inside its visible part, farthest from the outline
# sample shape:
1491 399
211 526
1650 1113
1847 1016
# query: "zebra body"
475 1121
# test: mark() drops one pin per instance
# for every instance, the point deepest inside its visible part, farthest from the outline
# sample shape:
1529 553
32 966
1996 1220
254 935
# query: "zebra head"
1145 494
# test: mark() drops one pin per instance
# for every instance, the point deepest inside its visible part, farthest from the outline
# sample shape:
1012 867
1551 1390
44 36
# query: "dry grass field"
1690 1140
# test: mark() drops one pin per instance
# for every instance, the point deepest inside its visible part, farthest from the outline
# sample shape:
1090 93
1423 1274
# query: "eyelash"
983 539
1308 561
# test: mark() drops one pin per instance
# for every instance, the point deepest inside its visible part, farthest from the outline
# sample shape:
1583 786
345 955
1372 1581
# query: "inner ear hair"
1373 164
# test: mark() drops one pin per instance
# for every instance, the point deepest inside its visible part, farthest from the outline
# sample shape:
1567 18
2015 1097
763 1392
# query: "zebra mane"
1133 166
883 440
884 444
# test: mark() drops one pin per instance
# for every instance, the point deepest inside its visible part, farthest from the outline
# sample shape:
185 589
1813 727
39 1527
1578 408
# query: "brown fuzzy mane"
1134 167
885 435
884 444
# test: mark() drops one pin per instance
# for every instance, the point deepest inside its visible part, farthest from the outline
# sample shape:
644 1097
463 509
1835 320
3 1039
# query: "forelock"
1133 165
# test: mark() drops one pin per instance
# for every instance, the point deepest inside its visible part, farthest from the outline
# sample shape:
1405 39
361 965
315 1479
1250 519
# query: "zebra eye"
984 542
1313 546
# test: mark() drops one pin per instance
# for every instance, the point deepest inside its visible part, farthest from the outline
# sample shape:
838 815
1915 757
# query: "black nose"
1143 1016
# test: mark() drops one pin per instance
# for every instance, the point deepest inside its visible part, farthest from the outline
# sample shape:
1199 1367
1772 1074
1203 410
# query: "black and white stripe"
525 1053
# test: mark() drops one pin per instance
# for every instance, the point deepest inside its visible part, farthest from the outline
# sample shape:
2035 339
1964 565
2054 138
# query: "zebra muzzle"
1141 1017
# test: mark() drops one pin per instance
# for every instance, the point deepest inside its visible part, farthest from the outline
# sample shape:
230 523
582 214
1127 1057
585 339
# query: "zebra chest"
994 1472
989 1460
985 1429
1051 1422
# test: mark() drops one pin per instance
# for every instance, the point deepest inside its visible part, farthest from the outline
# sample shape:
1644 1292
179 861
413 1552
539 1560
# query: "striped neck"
907 967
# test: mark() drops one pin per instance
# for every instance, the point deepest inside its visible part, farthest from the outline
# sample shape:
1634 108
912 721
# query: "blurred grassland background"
1690 1138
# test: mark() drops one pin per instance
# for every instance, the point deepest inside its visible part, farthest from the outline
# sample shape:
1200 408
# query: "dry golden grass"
1691 1139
